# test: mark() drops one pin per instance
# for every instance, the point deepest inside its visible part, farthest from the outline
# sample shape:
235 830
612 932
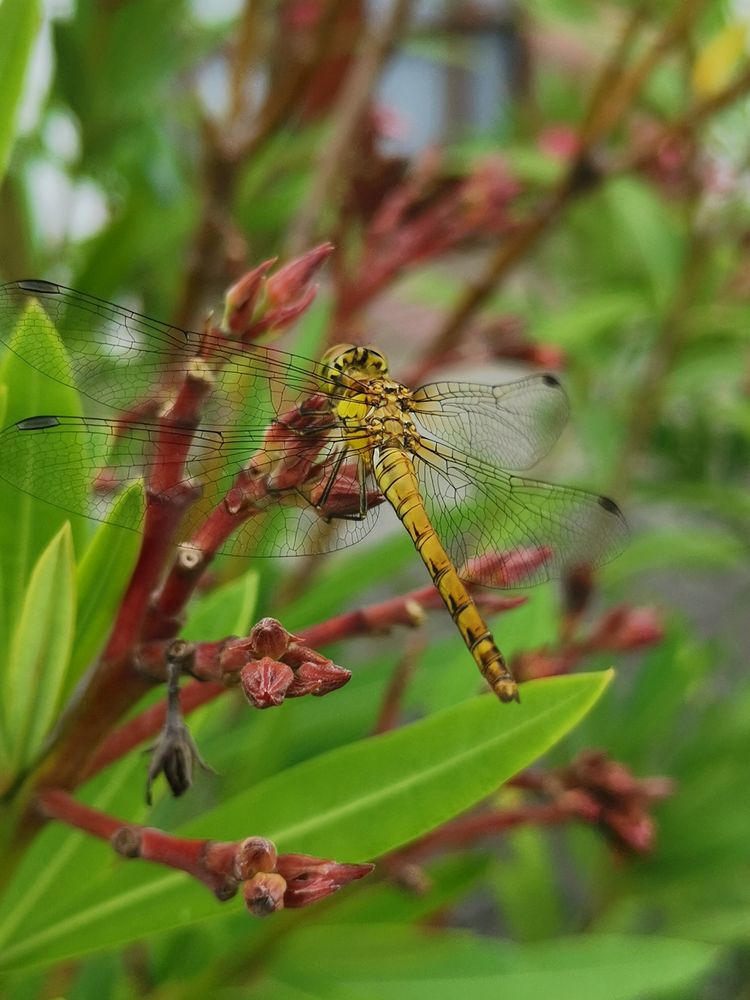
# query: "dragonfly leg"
322 500
332 478
363 511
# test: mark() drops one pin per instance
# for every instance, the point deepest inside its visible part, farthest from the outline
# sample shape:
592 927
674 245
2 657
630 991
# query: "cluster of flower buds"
624 629
426 215
269 881
290 459
668 161
507 339
605 791
273 665
259 303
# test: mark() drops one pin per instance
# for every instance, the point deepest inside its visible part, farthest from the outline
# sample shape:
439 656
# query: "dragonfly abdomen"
398 482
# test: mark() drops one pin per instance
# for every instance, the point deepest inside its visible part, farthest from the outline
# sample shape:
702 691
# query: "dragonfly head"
358 362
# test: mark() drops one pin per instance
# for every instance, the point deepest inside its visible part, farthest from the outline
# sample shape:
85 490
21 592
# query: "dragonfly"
445 456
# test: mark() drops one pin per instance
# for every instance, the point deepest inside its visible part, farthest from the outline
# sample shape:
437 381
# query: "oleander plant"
226 772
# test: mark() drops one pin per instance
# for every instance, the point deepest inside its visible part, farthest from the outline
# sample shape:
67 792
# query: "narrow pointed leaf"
353 803
27 525
19 22
370 797
39 649
414 964
102 577
227 610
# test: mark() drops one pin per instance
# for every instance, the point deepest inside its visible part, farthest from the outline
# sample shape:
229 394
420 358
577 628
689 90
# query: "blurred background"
510 187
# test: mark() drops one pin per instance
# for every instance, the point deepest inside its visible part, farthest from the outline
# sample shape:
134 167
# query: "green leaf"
27 525
19 22
374 795
354 802
39 650
227 610
532 624
102 577
694 551
643 220
588 318
406 963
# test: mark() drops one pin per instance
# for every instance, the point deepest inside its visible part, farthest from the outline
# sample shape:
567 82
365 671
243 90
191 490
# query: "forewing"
81 464
481 512
512 426
120 358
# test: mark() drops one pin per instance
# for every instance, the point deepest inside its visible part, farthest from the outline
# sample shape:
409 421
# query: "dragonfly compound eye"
354 360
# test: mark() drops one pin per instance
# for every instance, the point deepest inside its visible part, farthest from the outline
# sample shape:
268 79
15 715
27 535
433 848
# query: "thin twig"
347 116
393 698
582 178
645 405
228 146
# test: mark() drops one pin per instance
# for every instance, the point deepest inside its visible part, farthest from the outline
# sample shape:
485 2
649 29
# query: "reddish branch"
116 683
588 171
269 881
218 664
592 789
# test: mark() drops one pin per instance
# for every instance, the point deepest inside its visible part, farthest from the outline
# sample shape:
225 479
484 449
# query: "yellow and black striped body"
395 475
375 412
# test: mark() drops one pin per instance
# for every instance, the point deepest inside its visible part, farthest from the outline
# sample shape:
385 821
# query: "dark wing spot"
610 506
37 423
39 286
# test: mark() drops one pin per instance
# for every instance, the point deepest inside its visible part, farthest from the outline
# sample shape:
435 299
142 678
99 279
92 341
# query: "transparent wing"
119 357
81 464
480 511
512 425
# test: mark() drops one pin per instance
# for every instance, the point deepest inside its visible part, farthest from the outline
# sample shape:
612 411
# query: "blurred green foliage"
644 287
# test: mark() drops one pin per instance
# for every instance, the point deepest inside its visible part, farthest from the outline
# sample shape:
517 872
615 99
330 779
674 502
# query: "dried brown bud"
264 893
175 755
254 854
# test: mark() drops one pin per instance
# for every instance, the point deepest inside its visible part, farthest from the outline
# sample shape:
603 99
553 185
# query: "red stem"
467 830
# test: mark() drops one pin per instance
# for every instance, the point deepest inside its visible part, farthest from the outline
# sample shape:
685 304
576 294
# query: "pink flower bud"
265 682
625 628
282 317
504 569
241 299
292 280
269 638
235 654
318 679
310 879
559 142
547 356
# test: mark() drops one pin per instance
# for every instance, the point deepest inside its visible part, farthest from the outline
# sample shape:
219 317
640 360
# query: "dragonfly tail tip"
506 689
